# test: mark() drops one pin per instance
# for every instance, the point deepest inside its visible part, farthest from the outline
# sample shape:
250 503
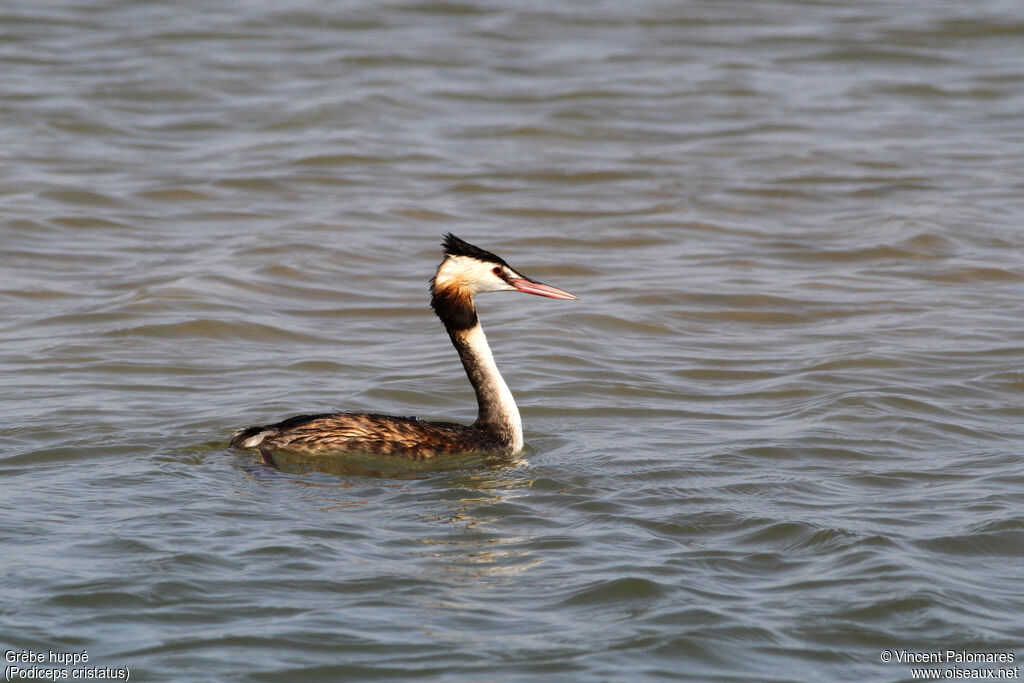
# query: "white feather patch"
256 440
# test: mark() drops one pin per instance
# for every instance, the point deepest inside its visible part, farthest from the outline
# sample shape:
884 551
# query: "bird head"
468 270
472 270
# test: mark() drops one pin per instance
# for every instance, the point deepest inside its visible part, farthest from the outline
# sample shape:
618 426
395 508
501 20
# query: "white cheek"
484 279
470 274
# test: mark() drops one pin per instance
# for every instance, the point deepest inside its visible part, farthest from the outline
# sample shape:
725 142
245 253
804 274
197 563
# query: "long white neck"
498 413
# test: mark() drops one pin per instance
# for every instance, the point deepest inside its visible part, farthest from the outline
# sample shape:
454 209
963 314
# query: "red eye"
496 270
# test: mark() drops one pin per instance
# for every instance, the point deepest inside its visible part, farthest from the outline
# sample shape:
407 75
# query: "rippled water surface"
780 435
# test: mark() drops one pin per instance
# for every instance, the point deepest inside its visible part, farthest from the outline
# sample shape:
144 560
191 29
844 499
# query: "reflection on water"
481 546
469 541
465 467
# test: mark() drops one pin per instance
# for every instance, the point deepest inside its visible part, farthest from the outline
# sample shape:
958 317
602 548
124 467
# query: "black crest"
453 246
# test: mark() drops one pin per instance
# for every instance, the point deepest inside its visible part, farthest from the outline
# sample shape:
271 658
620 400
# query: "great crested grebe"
465 272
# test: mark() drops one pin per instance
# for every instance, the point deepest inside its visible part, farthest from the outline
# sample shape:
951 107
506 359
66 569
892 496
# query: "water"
779 435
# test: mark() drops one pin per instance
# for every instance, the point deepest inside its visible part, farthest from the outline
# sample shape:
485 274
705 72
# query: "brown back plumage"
368 433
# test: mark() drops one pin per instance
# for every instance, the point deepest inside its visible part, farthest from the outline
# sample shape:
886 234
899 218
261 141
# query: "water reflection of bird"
465 272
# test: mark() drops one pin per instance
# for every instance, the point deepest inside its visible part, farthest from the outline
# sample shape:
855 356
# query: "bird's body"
465 272
367 433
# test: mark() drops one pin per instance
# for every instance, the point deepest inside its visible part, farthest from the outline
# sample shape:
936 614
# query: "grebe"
465 272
